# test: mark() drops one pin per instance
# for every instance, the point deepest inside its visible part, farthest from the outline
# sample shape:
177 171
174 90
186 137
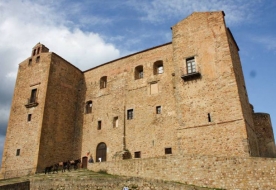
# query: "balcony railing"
191 76
31 102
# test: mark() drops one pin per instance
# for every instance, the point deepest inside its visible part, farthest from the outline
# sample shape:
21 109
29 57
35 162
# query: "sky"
88 33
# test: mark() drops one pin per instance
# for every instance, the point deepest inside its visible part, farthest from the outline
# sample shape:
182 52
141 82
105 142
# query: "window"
103 82
130 114
209 117
88 107
34 52
158 67
137 154
115 122
17 152
99 125
38 50
168 150
139 73
158 109
37 59
33 96
191 66
29 117
30 61
154 88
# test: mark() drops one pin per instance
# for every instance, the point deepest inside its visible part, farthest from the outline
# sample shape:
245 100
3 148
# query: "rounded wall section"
264 133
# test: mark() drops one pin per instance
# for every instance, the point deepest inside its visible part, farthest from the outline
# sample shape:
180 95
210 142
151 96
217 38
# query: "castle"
186 97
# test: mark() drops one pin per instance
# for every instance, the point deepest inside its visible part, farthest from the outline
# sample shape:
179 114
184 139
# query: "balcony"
31 102
191 76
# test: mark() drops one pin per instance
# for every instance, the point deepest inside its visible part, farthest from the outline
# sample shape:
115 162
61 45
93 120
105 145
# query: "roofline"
65 61
233 38
127 56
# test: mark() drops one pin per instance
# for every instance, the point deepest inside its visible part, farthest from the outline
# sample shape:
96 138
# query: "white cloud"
25 23
160 10
267 41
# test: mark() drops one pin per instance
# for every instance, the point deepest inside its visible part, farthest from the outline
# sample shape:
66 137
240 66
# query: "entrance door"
101 152
84 162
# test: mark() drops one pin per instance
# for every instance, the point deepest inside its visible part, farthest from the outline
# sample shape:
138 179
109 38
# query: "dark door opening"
101 152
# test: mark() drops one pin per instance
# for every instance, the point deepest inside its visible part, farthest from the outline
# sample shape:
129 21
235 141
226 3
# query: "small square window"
191 65
137 154
115 122
17 152
158 109
29 117
99 125
130 114
168 150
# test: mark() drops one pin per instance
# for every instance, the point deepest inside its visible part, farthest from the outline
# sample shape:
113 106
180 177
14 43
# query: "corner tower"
34 134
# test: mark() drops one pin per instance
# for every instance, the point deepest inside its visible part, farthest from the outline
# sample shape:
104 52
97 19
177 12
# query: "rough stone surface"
204 113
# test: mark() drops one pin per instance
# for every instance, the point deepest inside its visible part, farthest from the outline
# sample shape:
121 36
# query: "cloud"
267 41
160 10
25 23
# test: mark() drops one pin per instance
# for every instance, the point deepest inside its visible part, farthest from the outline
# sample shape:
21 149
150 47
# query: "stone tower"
42 128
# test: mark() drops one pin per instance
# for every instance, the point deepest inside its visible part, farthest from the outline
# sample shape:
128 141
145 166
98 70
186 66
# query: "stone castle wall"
59 135
200 170
24 135
205 112
264 133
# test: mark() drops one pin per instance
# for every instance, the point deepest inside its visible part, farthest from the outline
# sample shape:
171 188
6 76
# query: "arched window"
88 107
139 72
101 152
158 67
103 82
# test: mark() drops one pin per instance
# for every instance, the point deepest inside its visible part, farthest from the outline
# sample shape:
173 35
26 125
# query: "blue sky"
91 32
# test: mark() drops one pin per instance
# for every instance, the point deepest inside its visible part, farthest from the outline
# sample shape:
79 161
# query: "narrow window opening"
34 52
30 61
88 107
130 114
158 109
38 50
115 122
168 150
191 65
99 125
33 96
158 67
139 72
37 59
29 117
103 82
137 154
209 117
17 152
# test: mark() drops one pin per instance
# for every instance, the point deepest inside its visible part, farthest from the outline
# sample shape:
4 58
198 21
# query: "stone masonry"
187 96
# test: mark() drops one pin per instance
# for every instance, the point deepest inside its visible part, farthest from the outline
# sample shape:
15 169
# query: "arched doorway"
101 152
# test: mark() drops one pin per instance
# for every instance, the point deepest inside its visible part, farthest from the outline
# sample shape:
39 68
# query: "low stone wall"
16 186
109 184
218 172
